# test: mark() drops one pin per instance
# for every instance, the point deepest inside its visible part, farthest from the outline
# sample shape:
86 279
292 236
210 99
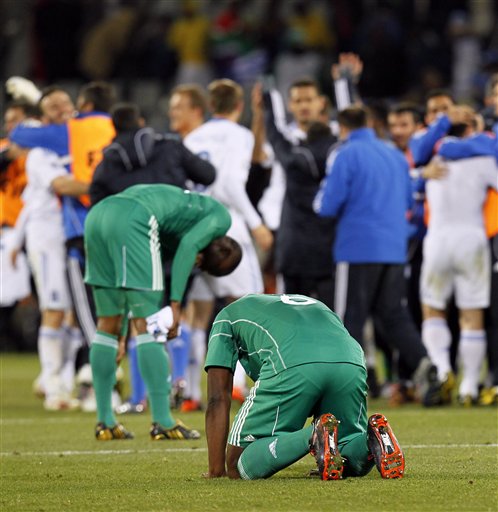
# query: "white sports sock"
196 363
50 343
471 352
436 337
73 340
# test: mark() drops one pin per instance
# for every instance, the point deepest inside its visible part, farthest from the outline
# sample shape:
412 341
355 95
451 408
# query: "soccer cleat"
384 448
189 405
467 400
401 393
179 432
105 433
324 447
429 387
489 396
447 387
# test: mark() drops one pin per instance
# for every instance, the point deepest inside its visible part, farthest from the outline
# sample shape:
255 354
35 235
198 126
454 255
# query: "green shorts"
284 402
122 246
118 301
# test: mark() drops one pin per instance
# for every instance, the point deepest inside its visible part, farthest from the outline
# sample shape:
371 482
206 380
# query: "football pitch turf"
52 462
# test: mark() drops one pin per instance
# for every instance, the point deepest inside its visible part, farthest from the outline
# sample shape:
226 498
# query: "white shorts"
246 278
48 264
199 290
14 284
459 261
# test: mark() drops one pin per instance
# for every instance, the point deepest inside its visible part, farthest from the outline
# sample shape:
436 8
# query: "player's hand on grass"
210 474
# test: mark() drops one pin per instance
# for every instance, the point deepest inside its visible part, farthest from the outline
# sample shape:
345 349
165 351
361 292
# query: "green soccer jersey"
175 223
270 333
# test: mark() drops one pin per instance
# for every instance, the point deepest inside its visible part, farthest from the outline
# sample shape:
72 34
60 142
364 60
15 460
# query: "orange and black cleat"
324 447
384 448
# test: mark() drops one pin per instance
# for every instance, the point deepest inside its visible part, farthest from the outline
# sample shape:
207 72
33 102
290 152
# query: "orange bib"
88 136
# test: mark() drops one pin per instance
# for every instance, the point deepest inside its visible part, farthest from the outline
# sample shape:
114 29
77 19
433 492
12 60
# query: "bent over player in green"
127 237
304 363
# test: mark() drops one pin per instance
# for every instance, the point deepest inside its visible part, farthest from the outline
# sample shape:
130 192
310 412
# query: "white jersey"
228 146
41 216
457 199
40 223
456 257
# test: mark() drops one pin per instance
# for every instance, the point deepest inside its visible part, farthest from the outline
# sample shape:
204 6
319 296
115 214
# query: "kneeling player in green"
127 236
304 363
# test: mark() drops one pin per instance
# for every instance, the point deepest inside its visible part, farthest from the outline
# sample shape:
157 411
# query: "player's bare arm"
219 382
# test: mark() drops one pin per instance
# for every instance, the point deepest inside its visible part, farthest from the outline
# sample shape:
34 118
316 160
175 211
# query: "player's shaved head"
221 256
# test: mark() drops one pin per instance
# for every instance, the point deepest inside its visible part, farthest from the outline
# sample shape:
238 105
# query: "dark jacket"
143 156
304 240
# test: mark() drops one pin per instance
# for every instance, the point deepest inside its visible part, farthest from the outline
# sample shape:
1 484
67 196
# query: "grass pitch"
51 462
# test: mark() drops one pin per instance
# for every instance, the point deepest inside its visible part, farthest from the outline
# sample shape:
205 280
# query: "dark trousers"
491 315
321 288
378 290
82 297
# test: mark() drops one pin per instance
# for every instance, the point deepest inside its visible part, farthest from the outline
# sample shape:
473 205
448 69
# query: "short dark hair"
304 81
434 93
29 109
101 95
125 117
224 96
317 130
196 95
407 107
50 89
353 117
221 256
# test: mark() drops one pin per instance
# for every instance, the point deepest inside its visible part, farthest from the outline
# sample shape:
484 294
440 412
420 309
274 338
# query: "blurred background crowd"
408 61
408 47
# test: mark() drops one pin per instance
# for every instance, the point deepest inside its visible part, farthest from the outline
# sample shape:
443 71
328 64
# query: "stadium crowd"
381 205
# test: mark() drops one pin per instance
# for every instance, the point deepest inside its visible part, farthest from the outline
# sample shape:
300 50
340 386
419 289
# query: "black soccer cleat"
324 447
384 448
178 432
105 433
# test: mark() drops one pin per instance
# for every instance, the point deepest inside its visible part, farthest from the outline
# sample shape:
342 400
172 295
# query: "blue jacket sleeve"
52 136
478 145
335 189
422 145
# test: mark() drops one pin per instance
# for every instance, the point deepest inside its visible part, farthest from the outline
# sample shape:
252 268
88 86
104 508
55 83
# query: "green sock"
264 457
103 353
154 367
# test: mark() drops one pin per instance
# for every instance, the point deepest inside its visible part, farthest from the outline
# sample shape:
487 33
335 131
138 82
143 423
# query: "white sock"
436 337
196 363
239 378
471 352
50 343
72 342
